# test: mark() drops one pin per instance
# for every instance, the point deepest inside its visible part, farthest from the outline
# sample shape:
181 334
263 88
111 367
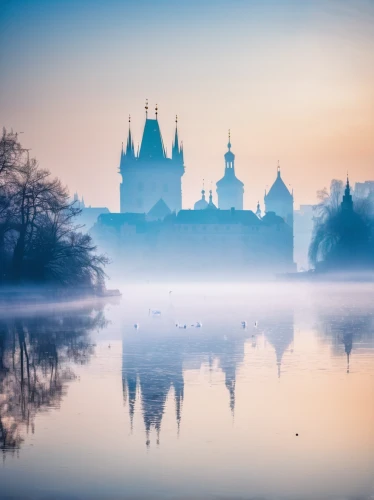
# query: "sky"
293 80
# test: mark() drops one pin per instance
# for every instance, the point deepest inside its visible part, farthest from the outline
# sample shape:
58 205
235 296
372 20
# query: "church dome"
202 203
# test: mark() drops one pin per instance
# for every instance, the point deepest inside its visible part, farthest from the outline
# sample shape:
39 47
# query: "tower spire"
130 142
229 143
156 111
347 203
177 150
146 108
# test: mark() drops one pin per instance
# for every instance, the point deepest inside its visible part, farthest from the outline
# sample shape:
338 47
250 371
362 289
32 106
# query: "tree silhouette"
39 240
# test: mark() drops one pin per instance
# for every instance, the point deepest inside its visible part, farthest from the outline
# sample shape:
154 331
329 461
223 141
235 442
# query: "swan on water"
136 326
154 312
244 324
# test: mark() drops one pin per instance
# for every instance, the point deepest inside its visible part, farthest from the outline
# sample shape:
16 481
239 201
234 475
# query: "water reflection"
154 360
37 354
196 412
347 327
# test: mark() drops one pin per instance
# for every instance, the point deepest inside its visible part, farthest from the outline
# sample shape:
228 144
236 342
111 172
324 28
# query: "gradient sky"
294 80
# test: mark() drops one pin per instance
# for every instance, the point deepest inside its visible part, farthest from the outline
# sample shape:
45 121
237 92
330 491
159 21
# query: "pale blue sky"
294 80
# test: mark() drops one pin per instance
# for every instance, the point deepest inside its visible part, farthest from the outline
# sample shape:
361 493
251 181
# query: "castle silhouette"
155 233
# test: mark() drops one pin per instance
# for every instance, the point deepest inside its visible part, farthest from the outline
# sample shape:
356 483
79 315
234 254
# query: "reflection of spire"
230 385
129 383
280 335
348 341
178 396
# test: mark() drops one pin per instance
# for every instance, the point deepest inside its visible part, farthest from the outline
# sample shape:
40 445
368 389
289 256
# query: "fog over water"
191 391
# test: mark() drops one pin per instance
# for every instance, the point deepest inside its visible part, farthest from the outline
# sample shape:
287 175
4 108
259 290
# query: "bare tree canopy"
39 241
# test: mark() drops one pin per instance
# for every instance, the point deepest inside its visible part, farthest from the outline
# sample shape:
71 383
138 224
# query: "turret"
230 189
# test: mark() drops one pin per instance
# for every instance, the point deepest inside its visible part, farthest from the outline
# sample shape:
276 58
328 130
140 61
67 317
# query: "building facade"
148 175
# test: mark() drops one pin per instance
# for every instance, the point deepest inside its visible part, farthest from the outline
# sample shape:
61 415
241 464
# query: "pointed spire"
176 139
130 142
258 210
177 151
156 111
210 197
347 203
229 143
278 169
146 108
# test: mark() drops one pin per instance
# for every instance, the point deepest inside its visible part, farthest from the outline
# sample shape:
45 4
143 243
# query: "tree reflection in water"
37 355
347 327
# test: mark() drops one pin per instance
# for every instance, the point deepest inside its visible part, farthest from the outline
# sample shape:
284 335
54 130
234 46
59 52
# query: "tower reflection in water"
155 359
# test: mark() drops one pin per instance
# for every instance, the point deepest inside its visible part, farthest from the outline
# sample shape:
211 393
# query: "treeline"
342 240
39 240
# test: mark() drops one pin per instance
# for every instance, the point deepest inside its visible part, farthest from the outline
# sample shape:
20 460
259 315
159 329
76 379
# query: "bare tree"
39 240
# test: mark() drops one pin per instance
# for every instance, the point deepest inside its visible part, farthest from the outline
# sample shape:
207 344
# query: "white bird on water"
198 324
244 324
136 326
154 312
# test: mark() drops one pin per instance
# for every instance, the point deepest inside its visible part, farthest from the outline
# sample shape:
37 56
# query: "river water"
190 403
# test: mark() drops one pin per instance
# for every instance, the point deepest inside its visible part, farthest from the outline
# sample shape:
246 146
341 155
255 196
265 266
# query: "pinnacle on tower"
177 150
130 143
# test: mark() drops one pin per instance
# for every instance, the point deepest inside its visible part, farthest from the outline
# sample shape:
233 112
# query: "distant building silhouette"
153 234
88 215
205 242
280 200
149 175
230 189
347 202
202 203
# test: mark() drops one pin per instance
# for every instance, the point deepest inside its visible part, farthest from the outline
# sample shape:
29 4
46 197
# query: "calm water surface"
93 408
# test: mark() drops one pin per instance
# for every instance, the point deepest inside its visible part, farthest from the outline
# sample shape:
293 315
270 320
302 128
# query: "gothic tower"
230 189
280 200
148 175
347 203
